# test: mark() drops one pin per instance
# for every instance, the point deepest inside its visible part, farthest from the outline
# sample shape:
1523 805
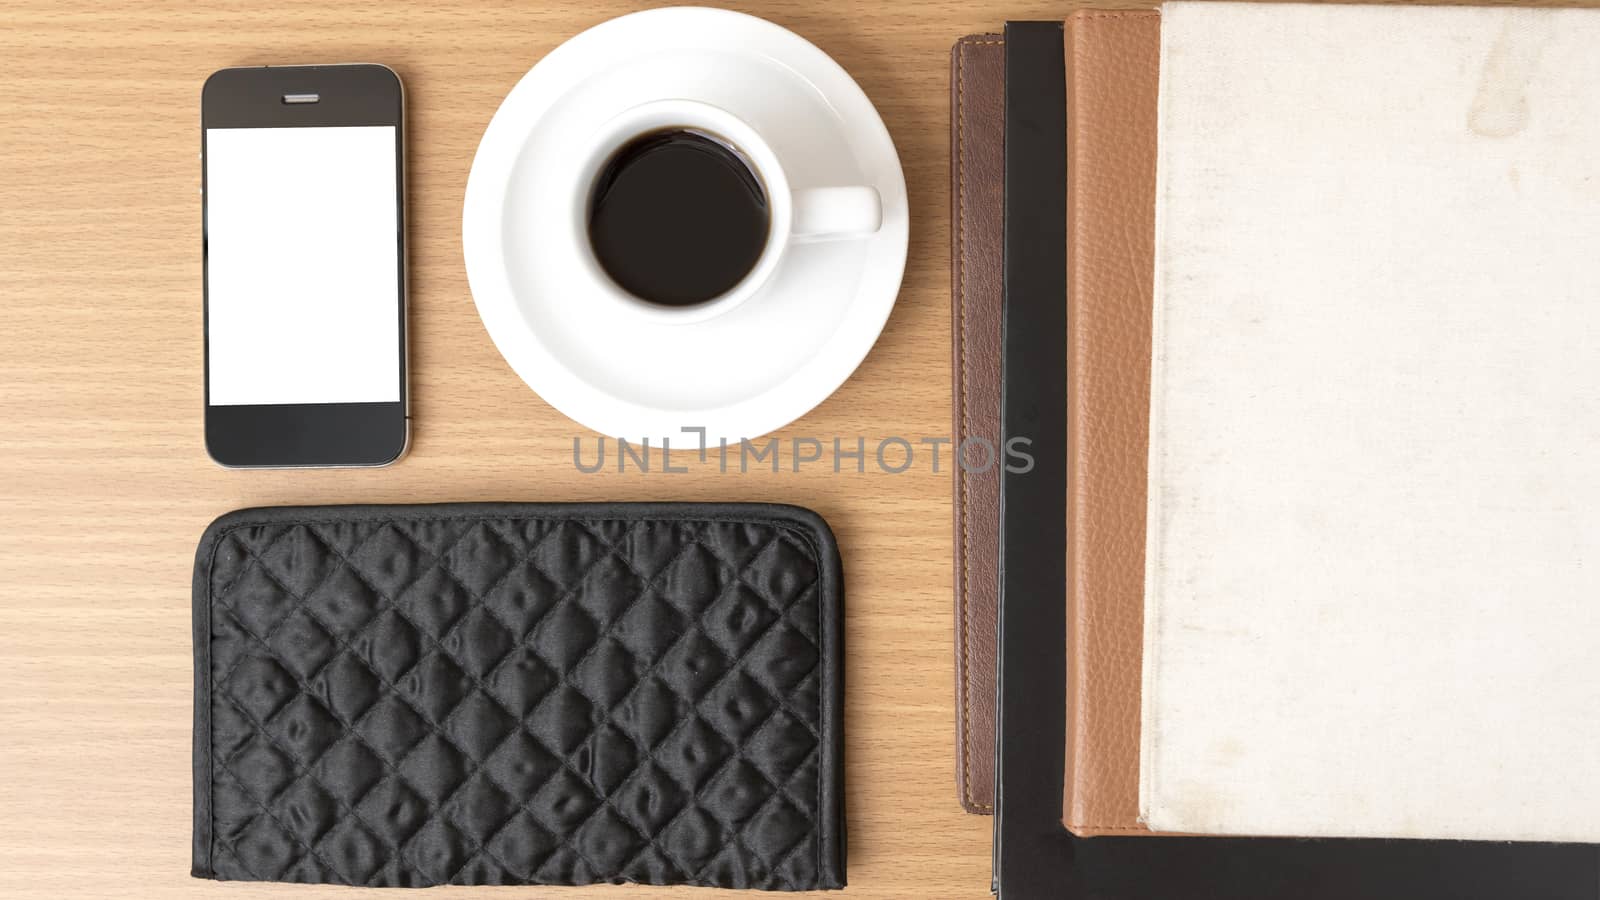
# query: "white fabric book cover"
1373 569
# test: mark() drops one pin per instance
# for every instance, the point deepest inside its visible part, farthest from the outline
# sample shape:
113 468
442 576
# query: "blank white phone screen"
302 273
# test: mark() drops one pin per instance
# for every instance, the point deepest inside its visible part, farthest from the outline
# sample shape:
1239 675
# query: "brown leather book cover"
977 160
1112 72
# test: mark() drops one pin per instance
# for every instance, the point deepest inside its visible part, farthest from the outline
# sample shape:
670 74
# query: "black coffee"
677 217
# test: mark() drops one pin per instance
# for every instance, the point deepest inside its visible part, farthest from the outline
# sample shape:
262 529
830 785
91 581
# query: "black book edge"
1029 843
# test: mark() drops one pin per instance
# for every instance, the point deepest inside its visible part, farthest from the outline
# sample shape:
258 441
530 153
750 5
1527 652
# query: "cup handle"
831 213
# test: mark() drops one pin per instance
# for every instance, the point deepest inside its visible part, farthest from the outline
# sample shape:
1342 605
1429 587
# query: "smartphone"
303 212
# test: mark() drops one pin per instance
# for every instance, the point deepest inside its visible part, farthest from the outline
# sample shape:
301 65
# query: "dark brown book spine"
977 82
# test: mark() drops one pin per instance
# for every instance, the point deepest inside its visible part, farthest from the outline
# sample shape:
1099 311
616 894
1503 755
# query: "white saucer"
753 369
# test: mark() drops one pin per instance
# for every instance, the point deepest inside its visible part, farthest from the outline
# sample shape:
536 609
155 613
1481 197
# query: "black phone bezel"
316 434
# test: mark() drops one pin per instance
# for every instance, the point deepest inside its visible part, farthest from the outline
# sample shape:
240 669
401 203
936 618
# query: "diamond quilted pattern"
349 771
264 849
393 811
649 713
360 853
696 836
652 797
260 687
478 725
521 765
260 602
738 619
436 767
694 752
521 681
523 845
439 852
608 673
565 636
694 665
479 643
390 646
563 720
309 811
261 769
480 809
391 728
434 603
480 559
435 687
740 789
737 706
523 598
343 603
304 729
302 644
497 694
347 688
565 802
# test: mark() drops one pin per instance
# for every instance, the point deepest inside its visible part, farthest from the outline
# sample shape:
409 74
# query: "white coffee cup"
794 215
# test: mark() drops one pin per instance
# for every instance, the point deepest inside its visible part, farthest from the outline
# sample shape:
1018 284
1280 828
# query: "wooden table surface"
106 485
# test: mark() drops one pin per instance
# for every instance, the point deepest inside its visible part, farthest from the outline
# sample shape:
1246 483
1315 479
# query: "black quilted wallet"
520 694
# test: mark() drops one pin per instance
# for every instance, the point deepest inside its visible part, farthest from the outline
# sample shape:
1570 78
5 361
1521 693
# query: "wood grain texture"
100 404
100 393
